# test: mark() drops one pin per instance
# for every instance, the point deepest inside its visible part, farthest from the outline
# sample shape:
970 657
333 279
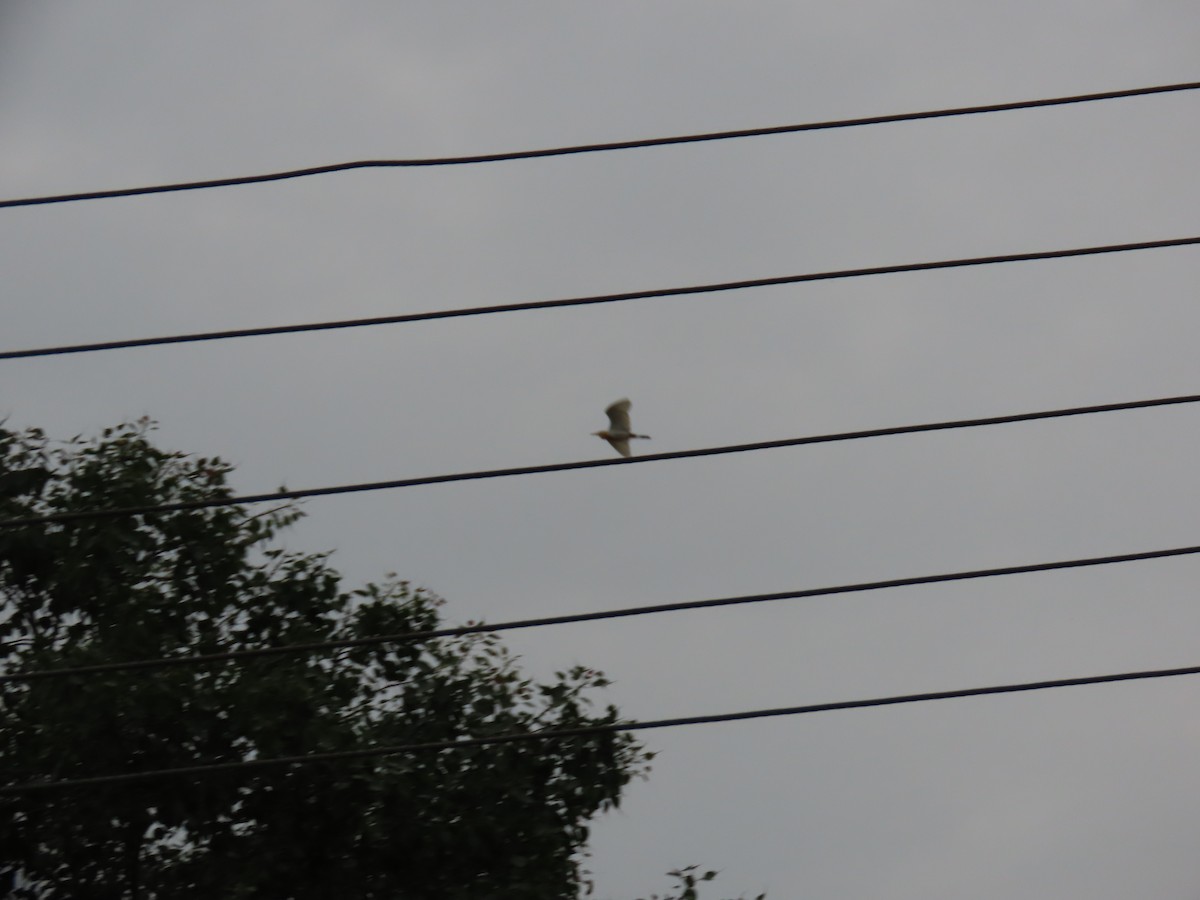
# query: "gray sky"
1082 792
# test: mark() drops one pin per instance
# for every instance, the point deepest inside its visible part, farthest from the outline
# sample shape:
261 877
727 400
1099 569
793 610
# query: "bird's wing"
621 446
618 416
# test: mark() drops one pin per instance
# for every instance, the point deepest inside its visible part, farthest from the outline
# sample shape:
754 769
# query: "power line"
598 148
592 463
595 299
376 640
567 733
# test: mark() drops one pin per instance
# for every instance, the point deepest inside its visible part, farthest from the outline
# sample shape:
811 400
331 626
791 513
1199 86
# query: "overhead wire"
214 768
716 287
599 147
574 618
247 499
217 768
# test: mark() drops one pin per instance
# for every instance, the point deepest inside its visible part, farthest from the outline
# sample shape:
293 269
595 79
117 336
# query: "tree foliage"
504 821
687 881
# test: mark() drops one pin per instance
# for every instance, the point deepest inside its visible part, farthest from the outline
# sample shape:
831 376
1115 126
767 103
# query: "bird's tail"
644 437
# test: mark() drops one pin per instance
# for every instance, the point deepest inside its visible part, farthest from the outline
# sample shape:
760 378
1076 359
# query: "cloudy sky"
1083 792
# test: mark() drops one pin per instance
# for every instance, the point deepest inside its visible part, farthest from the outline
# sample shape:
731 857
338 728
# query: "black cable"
566 733
459 631
599 298
597 148
592 463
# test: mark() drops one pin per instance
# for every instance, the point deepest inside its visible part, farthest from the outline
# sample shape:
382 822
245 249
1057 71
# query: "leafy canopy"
505 821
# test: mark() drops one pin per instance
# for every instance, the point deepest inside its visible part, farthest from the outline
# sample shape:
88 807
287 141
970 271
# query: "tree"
687 880
507 820
495 821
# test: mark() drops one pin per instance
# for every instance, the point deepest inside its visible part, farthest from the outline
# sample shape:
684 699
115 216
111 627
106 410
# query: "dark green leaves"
504 821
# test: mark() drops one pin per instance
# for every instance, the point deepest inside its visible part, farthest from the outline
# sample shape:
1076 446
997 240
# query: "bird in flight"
619 431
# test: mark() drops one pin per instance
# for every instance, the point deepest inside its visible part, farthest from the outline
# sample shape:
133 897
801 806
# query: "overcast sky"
1080 792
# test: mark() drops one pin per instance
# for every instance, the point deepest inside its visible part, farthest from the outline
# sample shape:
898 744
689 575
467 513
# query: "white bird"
619 431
